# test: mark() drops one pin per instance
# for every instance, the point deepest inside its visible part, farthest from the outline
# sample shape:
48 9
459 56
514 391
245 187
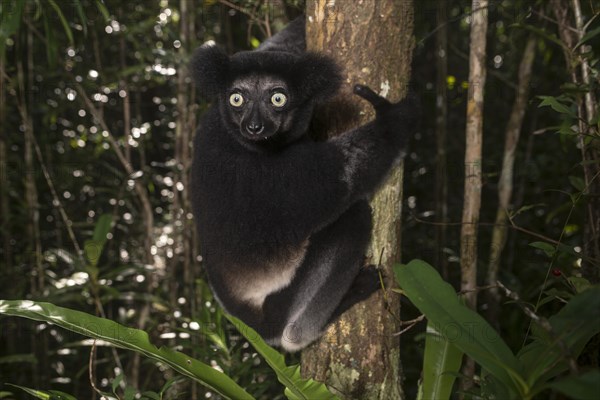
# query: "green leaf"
93 247
577 183
127 338
580 387
441 365
168 384
102 228
556 105
296 388
102 8
545 247
129 393
591 34
63 20
540 32
116 382
82 17
40 394
459 325
574 325
579 283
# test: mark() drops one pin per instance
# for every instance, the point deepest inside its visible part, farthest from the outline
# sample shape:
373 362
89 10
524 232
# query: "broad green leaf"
462 327
127 338
580 387
574 325
296 388
441 365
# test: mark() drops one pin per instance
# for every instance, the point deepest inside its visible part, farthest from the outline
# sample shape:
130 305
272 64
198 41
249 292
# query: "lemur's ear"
210 67
319 77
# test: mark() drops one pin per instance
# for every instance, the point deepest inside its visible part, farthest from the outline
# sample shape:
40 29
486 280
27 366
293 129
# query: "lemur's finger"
366 93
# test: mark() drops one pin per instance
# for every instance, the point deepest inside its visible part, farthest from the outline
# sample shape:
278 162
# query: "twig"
544 324
411 323
91 368
478 288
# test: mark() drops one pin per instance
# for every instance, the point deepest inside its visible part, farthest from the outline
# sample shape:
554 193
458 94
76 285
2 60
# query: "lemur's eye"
278 99
236 100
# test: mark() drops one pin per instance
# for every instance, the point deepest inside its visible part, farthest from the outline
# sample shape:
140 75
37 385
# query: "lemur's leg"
330 268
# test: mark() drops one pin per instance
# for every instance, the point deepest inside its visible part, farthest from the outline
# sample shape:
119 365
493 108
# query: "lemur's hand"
406 109
396 118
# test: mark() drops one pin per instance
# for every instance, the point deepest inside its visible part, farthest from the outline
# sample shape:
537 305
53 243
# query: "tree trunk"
505 185
359 356
474 140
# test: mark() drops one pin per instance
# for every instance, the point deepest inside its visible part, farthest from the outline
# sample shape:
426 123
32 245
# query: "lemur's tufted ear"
209 67
319 77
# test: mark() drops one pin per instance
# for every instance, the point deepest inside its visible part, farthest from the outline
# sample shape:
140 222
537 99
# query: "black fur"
283 220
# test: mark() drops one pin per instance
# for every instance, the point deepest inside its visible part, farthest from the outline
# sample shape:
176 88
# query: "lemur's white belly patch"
253 288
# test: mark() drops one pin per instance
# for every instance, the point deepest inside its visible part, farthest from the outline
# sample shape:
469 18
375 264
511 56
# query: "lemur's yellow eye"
278 99
236 100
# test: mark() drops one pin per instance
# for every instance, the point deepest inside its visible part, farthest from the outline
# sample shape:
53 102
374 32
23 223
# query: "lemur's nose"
254 128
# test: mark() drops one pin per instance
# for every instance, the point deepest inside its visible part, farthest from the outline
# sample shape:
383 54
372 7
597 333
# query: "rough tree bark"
359 355
474 140
505 185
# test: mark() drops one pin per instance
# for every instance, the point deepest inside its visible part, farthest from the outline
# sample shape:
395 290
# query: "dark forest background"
97 114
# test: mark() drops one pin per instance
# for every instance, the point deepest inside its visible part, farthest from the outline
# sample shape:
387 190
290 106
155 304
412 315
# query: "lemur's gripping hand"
378 102
401 117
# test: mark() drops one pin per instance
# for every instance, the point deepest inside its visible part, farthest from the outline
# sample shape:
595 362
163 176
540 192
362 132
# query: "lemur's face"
260 107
